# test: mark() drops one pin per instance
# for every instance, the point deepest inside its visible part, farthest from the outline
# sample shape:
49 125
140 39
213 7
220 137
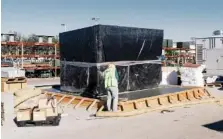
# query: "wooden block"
4 87
24 85
182 96
14 86
154 102
51 112
164 101
190 95
23 115
39 115
173 99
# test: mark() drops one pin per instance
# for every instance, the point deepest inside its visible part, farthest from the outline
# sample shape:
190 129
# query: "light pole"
95 20
22 54
65 27
55 57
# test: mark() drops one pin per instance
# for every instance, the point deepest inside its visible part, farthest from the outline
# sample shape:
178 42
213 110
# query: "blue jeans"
112 98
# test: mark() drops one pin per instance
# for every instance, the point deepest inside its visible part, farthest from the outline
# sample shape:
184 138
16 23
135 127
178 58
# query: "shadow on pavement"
217 126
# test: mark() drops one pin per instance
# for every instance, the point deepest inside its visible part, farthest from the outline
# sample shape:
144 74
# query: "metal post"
195 44
55 57
65 27
222 41
22 55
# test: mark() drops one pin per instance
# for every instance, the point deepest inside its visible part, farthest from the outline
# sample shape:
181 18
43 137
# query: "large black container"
85 53
88 81
103 43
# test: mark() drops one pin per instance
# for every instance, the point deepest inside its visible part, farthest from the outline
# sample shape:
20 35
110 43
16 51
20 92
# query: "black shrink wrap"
105 43
88 81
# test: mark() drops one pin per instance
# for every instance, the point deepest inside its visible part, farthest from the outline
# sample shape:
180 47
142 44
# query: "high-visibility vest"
110 78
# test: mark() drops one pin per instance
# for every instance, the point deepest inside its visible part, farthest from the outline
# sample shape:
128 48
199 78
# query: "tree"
32 38
45 39
18 36
171 52
56 39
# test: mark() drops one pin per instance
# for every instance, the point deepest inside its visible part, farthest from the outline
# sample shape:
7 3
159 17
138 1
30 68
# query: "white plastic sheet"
11 72
169 76
192 76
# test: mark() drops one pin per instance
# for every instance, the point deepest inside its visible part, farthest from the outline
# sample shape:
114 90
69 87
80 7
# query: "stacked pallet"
12 79
13 84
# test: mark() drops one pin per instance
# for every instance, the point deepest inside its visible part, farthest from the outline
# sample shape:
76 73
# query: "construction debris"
167 111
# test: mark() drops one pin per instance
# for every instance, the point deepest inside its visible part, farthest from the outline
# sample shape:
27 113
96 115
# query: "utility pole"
65 27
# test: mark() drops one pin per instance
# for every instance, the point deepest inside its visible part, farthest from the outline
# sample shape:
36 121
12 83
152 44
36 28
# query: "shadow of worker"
217 126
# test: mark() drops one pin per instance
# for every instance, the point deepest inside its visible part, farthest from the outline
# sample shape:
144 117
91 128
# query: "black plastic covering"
132 95
104 43
88 81
160 90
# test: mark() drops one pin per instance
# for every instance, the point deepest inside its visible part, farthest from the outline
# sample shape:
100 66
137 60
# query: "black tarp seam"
117 63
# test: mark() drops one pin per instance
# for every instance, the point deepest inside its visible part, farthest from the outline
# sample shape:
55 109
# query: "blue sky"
180 19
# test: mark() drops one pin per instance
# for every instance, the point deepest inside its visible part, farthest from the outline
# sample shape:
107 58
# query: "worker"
111 85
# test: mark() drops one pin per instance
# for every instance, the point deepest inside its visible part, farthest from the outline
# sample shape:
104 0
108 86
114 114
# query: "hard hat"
111 65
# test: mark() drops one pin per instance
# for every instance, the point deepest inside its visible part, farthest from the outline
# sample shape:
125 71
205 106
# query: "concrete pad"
180 123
